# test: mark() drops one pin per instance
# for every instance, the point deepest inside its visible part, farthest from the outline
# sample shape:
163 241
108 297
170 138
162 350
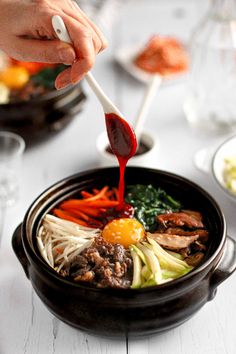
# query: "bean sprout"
60 241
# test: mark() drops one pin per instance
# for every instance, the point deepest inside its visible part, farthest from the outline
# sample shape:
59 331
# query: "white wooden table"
26 326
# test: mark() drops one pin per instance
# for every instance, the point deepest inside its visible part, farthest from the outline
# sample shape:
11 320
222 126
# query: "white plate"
211 161
227 149
125 58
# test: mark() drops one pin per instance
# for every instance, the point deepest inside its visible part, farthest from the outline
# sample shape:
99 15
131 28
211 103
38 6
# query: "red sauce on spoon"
123 144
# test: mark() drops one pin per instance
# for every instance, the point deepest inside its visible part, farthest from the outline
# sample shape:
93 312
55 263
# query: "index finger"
82 40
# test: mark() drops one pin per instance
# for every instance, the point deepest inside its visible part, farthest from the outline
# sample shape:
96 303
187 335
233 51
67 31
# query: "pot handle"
225 268
19 249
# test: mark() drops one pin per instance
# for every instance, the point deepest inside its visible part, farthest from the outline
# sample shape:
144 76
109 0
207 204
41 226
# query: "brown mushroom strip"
203 234
195 214
198 246
185 252
179 219
194 259
172 242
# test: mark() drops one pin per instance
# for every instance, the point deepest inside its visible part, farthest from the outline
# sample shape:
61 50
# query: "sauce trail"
123 144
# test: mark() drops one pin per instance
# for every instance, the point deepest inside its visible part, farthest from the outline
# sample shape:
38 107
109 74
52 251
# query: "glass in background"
12 147
211 96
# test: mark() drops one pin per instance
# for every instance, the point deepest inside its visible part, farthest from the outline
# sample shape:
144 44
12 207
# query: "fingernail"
66 55
60 84
73 75
76 79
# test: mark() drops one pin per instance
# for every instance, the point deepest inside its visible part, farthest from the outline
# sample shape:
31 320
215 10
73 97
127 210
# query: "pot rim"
36 259
44 98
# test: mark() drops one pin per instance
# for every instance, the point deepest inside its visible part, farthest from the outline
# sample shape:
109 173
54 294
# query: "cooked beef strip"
87 276
195 214
119 253
103 265
194 259
198 246
203 234
173 242
114 283
179 219
185 252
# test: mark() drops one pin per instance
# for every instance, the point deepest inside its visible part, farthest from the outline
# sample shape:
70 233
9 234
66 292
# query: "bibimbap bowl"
114 312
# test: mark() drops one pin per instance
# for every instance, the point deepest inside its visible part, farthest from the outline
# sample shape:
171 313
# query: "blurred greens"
46 77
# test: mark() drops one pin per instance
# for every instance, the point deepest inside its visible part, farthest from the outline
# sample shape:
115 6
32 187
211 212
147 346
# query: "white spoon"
62 33
149 94
121 135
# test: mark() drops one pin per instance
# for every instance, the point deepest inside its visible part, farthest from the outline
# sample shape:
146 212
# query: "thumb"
45 51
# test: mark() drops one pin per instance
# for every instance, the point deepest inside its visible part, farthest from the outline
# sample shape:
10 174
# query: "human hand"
26 34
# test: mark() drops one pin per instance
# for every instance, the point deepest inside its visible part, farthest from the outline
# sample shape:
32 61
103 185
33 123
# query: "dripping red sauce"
123 144
124 211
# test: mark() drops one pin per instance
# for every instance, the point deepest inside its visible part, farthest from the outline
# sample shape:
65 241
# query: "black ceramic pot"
42 117
114 312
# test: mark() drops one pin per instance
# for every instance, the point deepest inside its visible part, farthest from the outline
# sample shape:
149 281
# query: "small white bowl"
211 161
147 159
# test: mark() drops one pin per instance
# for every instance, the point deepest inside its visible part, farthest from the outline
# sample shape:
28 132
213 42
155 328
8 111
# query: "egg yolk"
14 77
125 231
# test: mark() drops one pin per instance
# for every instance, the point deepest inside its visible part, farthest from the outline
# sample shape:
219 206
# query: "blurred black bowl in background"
44 116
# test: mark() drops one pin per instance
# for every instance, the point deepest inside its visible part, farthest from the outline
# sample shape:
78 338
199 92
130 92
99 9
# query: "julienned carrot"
88 211
59 250
64 215
98 195
90 222
116 193
94 223
73 203
104 193
111 195
95 212
96 191
86 194
77 213
102 203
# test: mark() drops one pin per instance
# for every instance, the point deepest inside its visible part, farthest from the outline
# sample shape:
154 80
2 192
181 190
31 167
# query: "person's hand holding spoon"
121 135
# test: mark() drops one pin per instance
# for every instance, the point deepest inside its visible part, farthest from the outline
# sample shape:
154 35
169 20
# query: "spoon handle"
62 33
106 103
151 89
